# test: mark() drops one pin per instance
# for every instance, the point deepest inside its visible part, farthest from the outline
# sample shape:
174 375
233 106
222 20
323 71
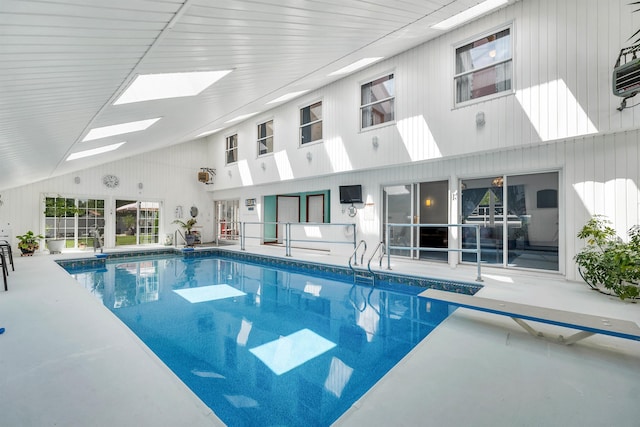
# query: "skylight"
468 14
148 87
242 117
122 128
209 132
94 151
355 66
288 96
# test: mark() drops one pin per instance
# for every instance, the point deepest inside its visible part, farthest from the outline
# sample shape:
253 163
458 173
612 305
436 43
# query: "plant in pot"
608 264
29 242
189 237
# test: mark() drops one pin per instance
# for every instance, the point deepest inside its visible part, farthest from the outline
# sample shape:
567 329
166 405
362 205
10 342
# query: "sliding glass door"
518 217
137 222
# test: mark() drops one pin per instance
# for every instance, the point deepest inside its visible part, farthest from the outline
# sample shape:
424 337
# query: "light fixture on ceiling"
94 151
119 129
242 117
149 87
356 66
288 96
469 14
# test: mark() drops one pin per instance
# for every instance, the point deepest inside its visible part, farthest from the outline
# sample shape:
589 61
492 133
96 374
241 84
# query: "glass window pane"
266 146
311 113
311 133
484 52
377 90
484 82
378 113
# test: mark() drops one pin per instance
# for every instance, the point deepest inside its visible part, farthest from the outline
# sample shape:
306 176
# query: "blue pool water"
264 346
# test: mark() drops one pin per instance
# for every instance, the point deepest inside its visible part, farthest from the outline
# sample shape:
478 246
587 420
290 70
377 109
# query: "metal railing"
287 239
383 248
477 250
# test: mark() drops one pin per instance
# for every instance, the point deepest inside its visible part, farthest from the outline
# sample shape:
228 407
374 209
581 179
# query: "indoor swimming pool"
263 345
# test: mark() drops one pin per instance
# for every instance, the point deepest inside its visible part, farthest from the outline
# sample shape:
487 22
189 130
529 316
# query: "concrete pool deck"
66 360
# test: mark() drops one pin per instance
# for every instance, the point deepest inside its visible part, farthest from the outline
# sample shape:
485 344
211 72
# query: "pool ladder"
361 273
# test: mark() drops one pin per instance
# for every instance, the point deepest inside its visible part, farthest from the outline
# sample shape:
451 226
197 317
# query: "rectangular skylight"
209 132
355 66
242 117
122 128
286 353
149 87
209 293
288 96
94 152
469 14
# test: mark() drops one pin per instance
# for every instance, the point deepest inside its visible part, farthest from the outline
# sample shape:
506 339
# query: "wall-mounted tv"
351 194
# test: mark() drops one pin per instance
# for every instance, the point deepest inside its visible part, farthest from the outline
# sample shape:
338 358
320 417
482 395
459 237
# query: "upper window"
265 138
232 149
311 123
377 101
484 67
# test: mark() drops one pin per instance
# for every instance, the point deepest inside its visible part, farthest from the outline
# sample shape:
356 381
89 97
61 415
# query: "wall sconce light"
229 173
263 166
429 202
374 142
140 186
309 155
480 119
76 180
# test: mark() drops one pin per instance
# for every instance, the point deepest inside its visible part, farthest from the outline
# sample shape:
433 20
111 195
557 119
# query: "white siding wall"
168 175
562 116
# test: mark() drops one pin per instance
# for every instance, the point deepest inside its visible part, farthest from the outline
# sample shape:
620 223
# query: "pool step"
363 275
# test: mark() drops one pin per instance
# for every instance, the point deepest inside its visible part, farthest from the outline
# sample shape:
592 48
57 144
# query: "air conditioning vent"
626 79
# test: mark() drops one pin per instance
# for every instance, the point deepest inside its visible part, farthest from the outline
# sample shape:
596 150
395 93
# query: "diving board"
587 324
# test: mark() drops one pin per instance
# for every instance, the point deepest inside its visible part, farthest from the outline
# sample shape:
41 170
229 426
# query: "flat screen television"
351 194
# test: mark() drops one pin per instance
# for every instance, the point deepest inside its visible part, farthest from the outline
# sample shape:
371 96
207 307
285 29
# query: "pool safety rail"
313 234
420 248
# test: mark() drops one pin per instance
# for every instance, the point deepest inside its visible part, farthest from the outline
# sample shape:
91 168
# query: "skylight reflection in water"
265 346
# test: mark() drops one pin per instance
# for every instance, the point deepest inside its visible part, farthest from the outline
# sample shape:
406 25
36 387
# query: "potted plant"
608 264
189 237
29 243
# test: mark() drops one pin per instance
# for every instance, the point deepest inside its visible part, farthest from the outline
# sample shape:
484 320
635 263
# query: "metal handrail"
477 250
354 255
382 246
287 233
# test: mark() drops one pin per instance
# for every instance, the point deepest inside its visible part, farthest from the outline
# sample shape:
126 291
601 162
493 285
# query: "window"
232 149
73 220
484 67
265 138
311 123
377 101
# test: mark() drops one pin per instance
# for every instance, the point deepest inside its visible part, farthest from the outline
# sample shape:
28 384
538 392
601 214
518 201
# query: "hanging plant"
607 264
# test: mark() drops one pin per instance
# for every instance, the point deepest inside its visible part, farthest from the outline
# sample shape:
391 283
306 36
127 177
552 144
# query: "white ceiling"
64 62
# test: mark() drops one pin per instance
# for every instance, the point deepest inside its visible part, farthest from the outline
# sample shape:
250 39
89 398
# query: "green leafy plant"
608 264
187 225
29 241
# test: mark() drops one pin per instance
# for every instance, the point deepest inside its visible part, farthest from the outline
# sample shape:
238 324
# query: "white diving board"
587 324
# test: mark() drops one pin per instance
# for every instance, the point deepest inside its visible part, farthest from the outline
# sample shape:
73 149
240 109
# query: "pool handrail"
287 232
477 250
